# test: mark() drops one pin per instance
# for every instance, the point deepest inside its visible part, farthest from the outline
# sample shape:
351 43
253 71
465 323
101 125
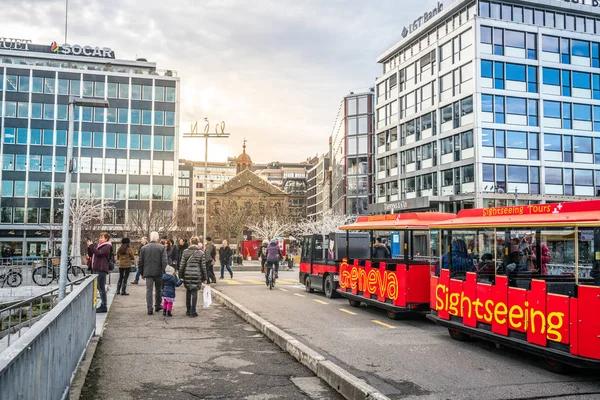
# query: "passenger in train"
462 262
529 249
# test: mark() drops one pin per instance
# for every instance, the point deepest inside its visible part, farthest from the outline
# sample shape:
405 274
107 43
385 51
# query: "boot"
124 289
118 289
134 282
169 314
164 312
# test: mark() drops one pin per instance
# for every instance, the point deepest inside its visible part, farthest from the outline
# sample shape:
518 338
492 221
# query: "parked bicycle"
11 277
43 275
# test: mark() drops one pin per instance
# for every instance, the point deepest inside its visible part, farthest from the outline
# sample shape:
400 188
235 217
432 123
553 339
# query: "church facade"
244 199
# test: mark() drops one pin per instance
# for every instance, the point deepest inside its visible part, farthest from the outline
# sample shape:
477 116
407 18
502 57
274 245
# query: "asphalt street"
407 358
214 356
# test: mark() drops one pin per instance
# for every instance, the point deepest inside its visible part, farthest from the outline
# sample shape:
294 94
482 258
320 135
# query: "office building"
124 156
352 155
317 198
490 104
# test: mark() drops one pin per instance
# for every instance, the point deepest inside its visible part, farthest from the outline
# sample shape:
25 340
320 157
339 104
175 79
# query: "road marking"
347 311
230 282
299 295
255 282
321 302
284 290
282 282
383 324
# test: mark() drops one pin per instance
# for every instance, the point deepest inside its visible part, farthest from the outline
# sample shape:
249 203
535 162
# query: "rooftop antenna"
66 18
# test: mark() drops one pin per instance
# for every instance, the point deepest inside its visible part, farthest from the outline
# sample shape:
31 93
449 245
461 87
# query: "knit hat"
170 270
273 240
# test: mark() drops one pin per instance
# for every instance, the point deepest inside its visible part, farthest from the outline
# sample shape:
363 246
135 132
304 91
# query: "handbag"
133 268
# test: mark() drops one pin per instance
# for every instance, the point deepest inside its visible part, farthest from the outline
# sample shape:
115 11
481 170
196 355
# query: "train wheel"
307 285
329 287
458 335
354 303
554 366
393 315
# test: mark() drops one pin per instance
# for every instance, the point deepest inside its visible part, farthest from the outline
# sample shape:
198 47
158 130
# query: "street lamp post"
219 133
81 102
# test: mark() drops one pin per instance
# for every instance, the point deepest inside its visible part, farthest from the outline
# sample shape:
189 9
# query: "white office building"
486 103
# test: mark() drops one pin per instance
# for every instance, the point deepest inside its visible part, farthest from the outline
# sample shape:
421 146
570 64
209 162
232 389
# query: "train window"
318 249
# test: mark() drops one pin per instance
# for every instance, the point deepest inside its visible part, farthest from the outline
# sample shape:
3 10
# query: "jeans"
191 299
123 277
270 264
137 275
223 266
155 281
102 286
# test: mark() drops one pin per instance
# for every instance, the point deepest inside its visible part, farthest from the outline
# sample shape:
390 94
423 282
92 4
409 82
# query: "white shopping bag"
207 296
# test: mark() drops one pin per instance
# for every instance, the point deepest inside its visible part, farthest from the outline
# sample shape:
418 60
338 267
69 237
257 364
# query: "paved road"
403 358
215 356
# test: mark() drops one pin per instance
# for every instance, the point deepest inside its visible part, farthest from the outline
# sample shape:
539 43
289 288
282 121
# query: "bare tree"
271 226
185 225
86 211
324 225
143 220
231 218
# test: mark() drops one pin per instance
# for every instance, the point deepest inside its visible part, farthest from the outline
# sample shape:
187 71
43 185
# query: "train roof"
578 213
415 220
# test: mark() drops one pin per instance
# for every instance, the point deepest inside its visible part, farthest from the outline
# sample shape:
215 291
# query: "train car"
322 255
398 284
526 277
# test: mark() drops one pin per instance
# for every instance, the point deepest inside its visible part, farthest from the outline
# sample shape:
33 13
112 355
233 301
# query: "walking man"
143 242
153 263
211 255
193 272
225 258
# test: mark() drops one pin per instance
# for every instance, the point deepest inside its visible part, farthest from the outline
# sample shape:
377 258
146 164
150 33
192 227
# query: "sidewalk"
216 355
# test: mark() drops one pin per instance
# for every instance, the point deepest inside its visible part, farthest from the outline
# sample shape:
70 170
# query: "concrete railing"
41 364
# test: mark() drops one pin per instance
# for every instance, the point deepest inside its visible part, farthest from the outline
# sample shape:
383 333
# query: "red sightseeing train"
533 284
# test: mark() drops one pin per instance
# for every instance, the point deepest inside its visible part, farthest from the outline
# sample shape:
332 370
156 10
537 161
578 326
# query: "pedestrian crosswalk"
256 281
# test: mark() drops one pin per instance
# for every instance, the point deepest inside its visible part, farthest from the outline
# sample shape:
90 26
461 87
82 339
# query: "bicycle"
44 275
12 277
272 274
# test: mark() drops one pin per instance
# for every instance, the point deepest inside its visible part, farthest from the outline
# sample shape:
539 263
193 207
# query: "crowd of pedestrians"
164 265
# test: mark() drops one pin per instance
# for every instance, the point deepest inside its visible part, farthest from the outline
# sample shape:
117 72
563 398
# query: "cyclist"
273 258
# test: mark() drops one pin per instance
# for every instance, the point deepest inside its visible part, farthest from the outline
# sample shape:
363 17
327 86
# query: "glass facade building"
352 155
489 104
125 155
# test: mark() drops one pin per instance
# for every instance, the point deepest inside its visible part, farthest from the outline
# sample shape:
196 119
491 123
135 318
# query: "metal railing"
41 363
22 314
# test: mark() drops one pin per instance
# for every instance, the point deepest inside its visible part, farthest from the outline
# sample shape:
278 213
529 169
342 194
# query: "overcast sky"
275 71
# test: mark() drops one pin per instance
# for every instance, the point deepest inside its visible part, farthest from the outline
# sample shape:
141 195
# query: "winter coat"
180 250
193 268
273 252
172 256
380 251
153 260
100 255
210 254
125 259
169 283
225 254
461 260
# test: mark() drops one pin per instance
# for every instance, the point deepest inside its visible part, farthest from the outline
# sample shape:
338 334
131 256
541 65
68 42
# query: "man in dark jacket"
192 270
211 255
225 258
100 256
153 262
380 250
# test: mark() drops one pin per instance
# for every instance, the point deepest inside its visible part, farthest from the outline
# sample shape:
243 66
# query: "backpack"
111 260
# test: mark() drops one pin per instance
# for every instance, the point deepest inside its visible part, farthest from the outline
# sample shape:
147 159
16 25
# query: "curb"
345 383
